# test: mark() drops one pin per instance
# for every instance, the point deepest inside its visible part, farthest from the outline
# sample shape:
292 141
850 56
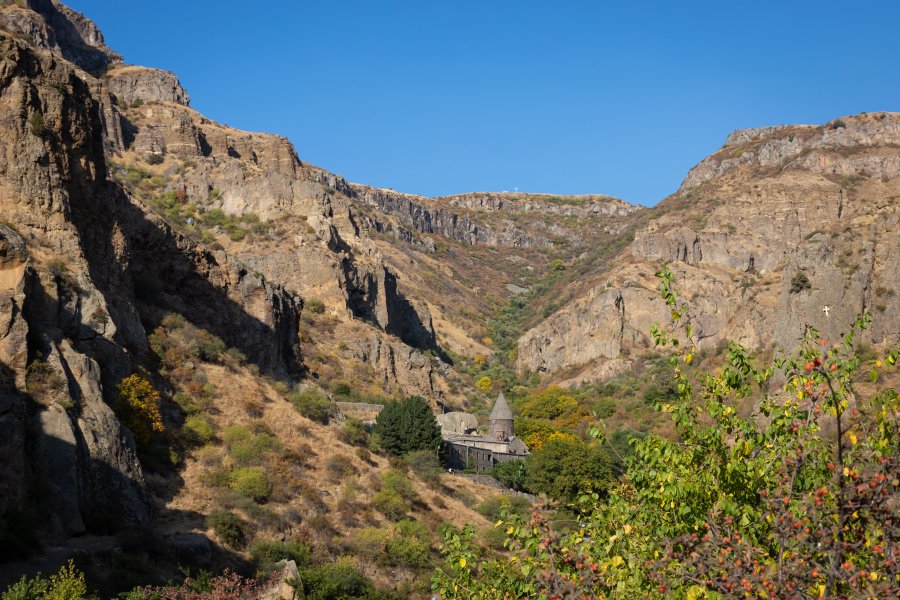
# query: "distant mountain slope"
766 233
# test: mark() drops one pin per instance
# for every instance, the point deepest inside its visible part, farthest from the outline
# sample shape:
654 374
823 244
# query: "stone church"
465 448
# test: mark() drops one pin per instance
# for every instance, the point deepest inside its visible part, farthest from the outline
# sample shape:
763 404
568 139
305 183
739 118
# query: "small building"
464 448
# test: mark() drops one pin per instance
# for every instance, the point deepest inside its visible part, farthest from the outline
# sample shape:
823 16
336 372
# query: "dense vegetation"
406 426
797 500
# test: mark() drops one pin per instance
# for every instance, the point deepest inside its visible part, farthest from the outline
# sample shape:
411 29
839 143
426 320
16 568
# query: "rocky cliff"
85 272
766 233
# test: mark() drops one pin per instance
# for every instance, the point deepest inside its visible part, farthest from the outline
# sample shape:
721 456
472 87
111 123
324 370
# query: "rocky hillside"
766 233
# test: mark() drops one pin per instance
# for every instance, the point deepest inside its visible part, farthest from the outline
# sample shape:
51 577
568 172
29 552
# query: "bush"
251 482
198 431
406 426
354 433
248 449
391 504
36 124
67 584
493 508
228 527
563 468
138 407
342 389
339 466
211 349
315 306
340 580
800 282
266 553
313 405
549 403
410 544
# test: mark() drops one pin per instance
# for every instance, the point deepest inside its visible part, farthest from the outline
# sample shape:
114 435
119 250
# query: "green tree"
562 468
407 425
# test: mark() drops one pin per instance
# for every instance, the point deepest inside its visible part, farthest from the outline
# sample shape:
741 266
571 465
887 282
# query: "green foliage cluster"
406 426
797 499
267 553
66 584
228 527
394 499
550 403
340 580
36 124
354 433
247 448
250 482
493 508
198 431
313 404
405 544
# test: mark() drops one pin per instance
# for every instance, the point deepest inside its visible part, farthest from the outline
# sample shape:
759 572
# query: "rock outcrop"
131 85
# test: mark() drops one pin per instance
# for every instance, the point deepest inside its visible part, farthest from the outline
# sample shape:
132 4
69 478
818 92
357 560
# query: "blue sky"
568 96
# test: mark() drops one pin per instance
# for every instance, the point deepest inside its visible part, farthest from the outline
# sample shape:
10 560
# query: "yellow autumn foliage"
138 407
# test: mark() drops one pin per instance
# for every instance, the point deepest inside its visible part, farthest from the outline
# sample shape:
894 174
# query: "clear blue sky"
566 96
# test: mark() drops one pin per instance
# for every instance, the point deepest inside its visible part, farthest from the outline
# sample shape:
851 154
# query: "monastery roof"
501 410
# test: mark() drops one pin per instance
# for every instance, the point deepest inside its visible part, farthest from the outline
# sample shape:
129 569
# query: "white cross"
826 310
517 189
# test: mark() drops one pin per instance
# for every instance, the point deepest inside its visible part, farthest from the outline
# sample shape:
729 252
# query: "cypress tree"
407 425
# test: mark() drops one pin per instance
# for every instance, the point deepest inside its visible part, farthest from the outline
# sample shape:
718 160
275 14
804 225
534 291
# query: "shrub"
315 306
513 474
228 527
339 466
340 580
391 504
342 389
155 159
266 553
251 482
406 426
562 468
36 125
211 349
484 384
138 407
198 430
249 449
354 433
800 282
409 544
67 584
313 405
549 403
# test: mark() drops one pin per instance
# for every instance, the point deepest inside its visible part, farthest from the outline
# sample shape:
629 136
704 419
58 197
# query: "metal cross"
826 310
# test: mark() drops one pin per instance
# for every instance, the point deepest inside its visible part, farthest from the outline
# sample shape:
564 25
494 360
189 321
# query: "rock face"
106 269
132 85
462 218
53 26
766 233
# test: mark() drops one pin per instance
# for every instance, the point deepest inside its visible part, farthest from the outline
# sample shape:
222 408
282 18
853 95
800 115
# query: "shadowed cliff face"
78 261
